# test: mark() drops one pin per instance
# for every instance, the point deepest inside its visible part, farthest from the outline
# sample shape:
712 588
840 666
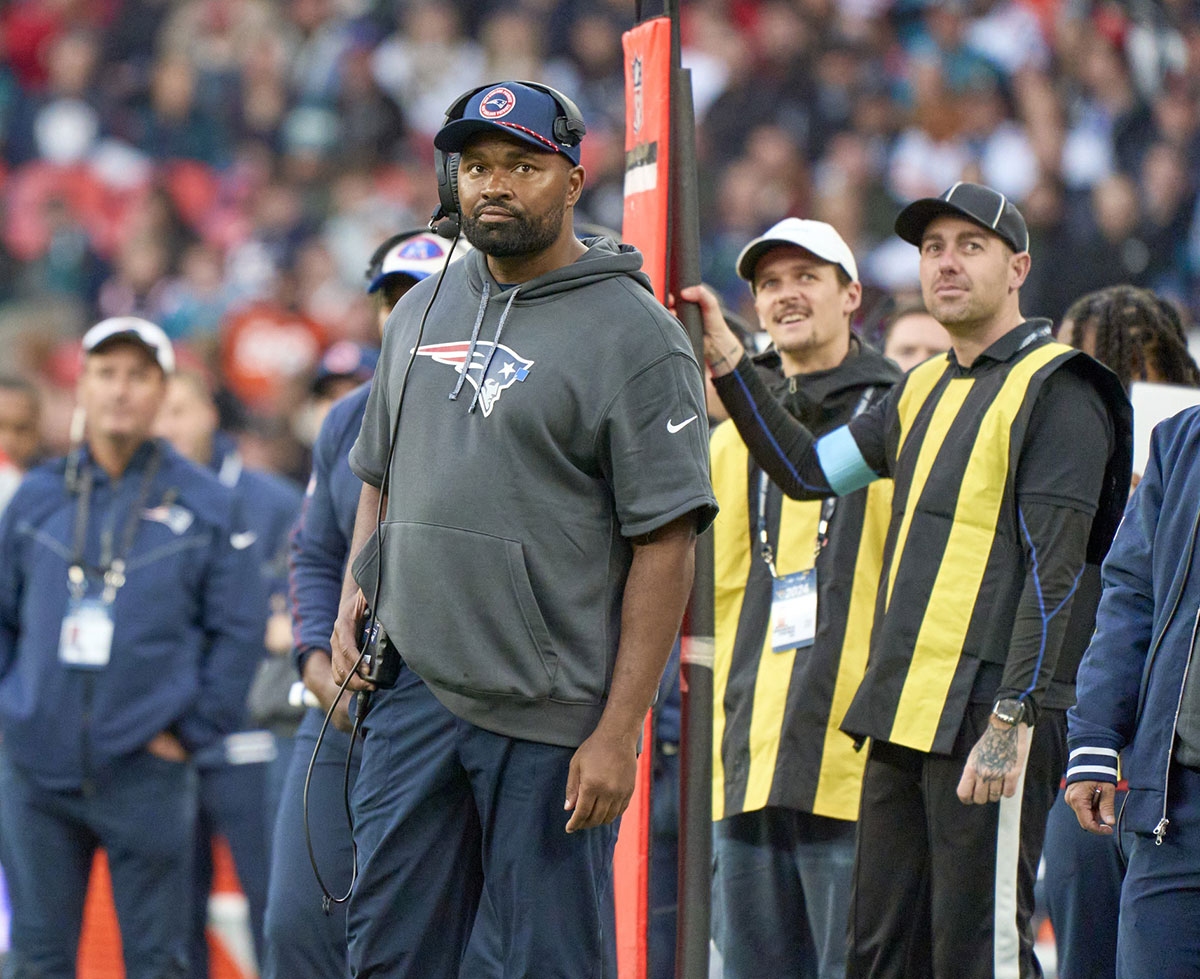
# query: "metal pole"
696 668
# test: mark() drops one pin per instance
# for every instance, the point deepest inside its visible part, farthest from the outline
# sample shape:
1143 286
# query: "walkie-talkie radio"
380 657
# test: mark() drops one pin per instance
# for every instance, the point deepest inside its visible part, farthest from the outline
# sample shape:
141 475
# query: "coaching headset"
569 130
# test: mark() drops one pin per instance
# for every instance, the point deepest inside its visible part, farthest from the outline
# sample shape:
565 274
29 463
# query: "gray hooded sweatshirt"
543 425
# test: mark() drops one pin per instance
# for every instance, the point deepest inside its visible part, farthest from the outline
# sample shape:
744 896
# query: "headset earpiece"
447 219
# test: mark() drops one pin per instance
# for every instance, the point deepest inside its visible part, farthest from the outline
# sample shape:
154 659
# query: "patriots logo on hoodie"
506 367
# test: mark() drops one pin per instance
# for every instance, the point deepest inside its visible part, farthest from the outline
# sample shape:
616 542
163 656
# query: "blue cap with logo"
529 114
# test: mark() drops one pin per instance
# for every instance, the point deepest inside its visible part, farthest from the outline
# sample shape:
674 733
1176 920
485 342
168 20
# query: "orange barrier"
100 943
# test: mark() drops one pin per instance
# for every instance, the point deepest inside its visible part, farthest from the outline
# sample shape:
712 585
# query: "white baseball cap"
137 329
417 256
817 237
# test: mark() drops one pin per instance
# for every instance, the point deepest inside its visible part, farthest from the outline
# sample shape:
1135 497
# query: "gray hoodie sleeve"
653 447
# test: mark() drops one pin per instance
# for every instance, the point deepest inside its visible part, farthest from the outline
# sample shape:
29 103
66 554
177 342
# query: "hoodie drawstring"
487 288
495 343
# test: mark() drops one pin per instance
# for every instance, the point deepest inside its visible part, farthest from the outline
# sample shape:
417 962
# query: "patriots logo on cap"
498 102
420 248
506 367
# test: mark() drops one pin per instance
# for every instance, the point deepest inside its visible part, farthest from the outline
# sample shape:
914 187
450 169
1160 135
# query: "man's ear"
575 180
1018 270
853 297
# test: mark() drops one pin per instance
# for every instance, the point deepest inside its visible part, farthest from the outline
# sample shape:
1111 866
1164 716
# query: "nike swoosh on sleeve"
673 428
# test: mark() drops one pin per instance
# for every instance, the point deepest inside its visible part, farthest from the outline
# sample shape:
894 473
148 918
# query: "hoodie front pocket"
460 608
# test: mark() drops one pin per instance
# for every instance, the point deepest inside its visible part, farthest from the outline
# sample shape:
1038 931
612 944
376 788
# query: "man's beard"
523 235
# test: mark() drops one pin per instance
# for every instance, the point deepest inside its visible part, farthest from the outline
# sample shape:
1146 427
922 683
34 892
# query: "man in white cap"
131 623
795 583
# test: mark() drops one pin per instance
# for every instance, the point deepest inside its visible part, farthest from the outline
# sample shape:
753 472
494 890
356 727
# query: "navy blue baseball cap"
511 107
345 359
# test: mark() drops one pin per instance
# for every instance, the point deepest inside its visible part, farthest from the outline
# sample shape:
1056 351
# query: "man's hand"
344 641
166 746
995 764
601 780
722 349
278 639
318 677
1095 805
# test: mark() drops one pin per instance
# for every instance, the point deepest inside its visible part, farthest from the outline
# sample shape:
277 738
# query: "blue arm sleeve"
317 555
803 467
1103 719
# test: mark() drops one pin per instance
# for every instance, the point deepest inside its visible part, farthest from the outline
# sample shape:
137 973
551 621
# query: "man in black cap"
1009 456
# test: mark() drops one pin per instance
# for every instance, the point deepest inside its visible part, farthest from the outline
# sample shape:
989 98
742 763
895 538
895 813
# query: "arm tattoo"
996 752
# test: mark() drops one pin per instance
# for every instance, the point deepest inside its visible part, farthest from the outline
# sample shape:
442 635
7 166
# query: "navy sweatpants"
142 813
1159 930
1083 894
440 806
302 942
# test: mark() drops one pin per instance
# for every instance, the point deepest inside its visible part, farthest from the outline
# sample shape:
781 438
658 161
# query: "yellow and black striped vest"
776 739
954 566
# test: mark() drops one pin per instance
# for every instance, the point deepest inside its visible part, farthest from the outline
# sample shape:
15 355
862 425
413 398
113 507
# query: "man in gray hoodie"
549 475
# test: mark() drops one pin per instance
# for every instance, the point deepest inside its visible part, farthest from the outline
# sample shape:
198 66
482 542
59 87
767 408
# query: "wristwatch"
1009 711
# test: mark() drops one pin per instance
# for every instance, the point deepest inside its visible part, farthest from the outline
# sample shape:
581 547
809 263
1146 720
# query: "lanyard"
112 563
828 505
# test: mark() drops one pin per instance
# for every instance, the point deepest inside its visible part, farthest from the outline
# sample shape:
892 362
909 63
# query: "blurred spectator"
593 71
138 284
194 302
60 120
912 336
512 46
373 126
1109 125
20 422
320 38
428 63
172 124
1008 34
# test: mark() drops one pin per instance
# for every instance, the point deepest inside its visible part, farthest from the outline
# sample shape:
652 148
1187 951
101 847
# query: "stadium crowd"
227 168
190 161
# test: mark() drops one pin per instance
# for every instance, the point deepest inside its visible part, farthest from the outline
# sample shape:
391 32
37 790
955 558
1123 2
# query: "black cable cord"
327 898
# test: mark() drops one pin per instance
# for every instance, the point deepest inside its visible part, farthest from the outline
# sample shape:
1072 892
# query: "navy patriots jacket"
320 541
1130 683
188 623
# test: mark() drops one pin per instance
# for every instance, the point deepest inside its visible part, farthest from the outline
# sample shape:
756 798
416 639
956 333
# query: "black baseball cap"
987 208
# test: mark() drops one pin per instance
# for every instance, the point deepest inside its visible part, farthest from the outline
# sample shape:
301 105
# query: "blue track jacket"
188 630
321 539
268 506
1131 679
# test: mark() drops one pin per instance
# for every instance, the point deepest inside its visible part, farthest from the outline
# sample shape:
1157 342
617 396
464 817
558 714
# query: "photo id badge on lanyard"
793 621
793 610
85 640
87 632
